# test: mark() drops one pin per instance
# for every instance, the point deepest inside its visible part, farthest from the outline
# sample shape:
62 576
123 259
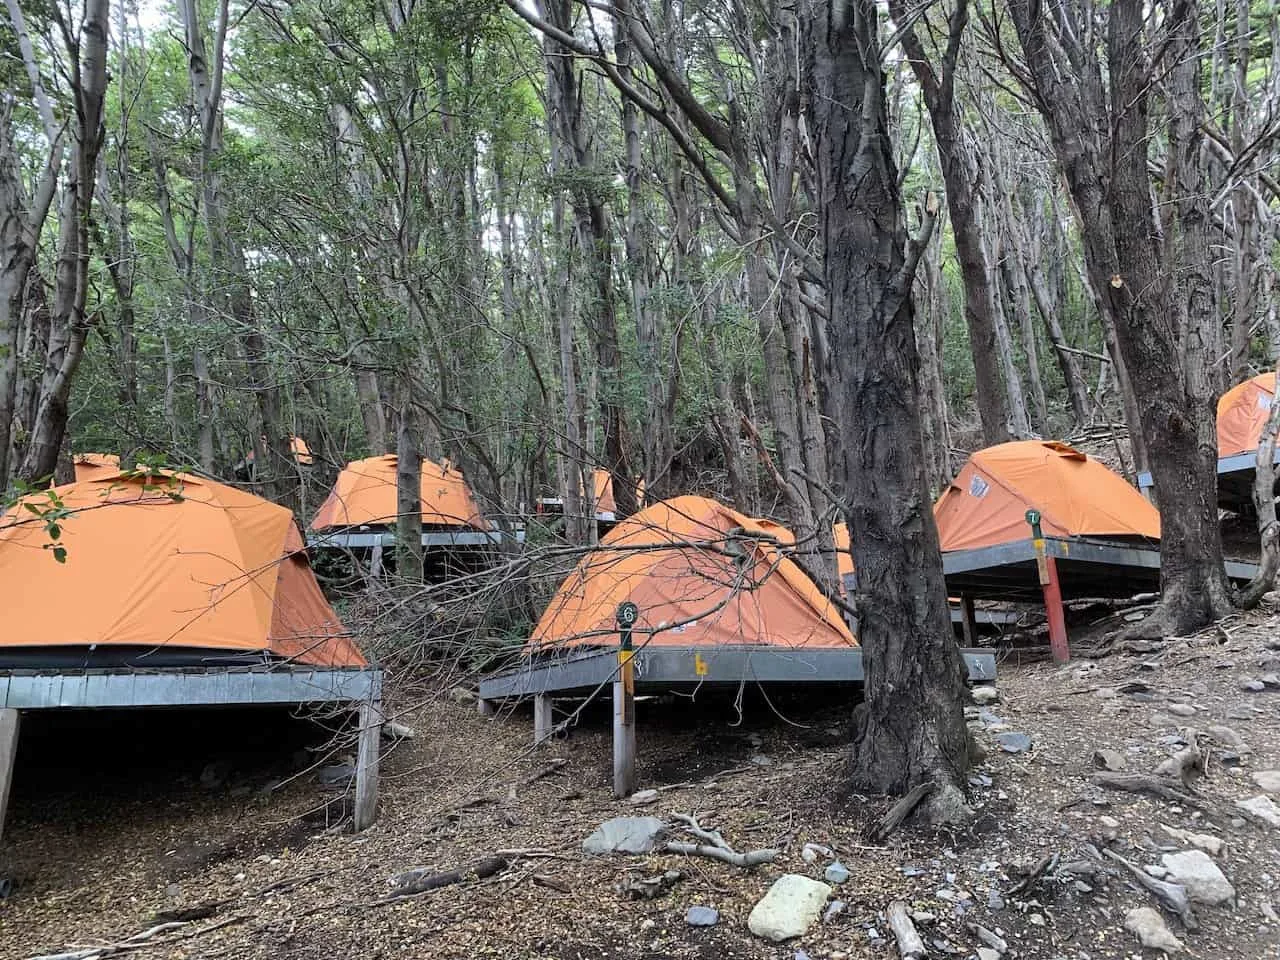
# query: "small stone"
760 760
1133 616
1271 680
702 917
1036 919
1109 823
625 835
1181 709
812 851
1202 841
1261 808
873 934
391 730
985 694
923 916
1012 742
173 891
987 953
1224 665
1105 759
836 873
1106 693
791 906
947 895
834 909
642 797
1205 883
1226 736
1149 927
1267 780
995 902
462 695
1252 686
800 955
1155 870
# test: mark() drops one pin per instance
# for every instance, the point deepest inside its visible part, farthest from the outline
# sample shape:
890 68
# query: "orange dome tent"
692 566
1243 412
298 447
986 504
91 466
365 494
172 564
604 492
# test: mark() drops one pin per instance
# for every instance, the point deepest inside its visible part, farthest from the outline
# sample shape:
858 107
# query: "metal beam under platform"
1086 568
1235 479
662 668
348 540
268 685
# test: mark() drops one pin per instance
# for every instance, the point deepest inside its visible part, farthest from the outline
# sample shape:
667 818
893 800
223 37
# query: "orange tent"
698 576
365 493
91 466
986 504
1242 413
170 563
298 446
604 492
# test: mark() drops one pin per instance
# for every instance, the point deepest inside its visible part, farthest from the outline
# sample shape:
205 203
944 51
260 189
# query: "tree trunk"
911 728
408 491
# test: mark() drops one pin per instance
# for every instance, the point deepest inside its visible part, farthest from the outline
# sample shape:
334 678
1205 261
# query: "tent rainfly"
365 495
701 574
162 570
1243 412
91 466
986 504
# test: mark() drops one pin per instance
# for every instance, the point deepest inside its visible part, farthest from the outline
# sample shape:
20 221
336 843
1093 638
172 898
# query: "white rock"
812 851
1203 841
1205 883
985 694
391 730
1181 709
1261 808
1149 927
1267 780
642 797
986 953
792 905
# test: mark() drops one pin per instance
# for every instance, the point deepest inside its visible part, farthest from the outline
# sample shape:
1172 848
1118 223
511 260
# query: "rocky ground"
1041 874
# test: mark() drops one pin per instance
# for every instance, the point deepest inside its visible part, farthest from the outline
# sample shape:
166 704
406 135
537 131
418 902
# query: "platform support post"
542 723
487 708
10 720
624 706
968 621
1058 642
367 758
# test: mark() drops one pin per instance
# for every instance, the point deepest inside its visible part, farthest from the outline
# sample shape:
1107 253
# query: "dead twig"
1172 896
910 946
1163 787
414 882
900 811
1045 865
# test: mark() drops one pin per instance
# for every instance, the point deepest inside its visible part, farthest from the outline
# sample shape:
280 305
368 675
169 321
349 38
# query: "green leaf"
60 554
55 531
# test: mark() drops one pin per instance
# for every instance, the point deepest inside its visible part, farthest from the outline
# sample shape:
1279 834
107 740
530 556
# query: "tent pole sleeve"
367 757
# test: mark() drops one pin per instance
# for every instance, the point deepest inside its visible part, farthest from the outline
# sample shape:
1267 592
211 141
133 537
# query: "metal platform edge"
430 538
665 667
34 690
1084 551
1232 464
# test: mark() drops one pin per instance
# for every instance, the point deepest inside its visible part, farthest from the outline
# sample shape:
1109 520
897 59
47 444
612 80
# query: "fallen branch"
201 911
546 771
900 811
143 939
1046 864
1163 787
414 882
1172 896
910 946
752 858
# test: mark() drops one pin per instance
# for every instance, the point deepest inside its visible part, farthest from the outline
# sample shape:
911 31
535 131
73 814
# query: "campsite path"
97 864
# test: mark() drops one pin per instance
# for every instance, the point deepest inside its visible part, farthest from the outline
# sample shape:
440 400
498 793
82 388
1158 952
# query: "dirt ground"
99 845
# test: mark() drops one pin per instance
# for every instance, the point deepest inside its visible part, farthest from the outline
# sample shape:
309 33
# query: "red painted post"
1058 642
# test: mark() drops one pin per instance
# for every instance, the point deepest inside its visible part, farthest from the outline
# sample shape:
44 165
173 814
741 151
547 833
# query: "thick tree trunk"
408 491
911 729
1108 176
935 430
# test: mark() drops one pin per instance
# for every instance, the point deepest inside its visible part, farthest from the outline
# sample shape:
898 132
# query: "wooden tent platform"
1235 480
364 539
132 689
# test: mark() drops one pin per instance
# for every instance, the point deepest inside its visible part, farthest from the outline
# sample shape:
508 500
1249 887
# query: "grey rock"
1181 709
792 905
336 774
812 851
1013 742
1149 927
1267 780
462 695
1271 680
625 835
985 694
1252 686
1155 870
642 797
836 873
1261 808
1201 841
987 953
995 902
834 909
1204 882
702 917
391 730
1105 759
1226 736
1106 693
760 760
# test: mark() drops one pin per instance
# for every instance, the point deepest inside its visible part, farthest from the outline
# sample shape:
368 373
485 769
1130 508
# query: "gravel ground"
96 857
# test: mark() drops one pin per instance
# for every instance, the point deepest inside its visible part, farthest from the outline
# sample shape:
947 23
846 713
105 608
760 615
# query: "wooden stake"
542 723
10 720
367 758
